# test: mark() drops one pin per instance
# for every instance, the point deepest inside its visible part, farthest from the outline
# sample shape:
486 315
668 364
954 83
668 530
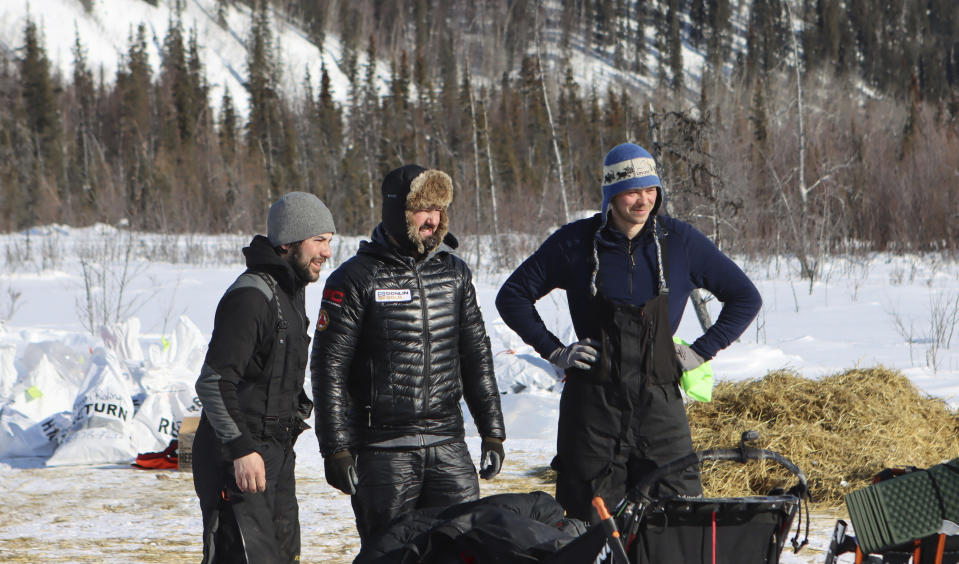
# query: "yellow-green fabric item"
697 383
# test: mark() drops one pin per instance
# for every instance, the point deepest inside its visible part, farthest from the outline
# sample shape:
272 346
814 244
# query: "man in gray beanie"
251 387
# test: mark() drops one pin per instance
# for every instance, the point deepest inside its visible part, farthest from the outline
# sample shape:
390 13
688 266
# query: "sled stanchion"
612 533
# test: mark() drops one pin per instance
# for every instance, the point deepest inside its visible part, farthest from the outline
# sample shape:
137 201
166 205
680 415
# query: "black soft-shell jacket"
398 342
235 376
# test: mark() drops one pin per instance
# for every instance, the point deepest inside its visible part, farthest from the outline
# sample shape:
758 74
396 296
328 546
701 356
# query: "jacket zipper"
427 345
369 408
632 264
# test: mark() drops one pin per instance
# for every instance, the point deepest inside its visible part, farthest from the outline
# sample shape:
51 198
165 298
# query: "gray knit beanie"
297 216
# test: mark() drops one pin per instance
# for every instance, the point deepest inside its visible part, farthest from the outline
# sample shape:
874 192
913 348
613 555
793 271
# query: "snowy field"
69 495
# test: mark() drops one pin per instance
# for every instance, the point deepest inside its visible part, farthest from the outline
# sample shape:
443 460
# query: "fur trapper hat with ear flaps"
411 188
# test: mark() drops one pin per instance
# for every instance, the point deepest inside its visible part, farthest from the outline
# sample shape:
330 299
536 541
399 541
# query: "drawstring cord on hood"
663 289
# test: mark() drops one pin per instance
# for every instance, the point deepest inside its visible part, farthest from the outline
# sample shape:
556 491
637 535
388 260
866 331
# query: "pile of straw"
840 430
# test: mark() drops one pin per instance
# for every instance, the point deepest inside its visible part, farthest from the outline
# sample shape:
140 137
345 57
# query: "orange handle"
600 506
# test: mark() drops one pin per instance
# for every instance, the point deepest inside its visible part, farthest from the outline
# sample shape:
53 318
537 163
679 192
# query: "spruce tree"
675 50
865 20
228 127
640 48
329 124
135 136
269 131
260 85
133 84
569 20
602 32
200 97
83 86
178 124
698 20
314 16
82 157
717 49
330 120
40 102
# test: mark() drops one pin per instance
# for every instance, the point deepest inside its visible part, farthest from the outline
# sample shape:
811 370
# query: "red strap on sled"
714 537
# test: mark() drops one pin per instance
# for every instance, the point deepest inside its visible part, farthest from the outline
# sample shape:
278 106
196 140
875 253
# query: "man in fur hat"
399 341
627 272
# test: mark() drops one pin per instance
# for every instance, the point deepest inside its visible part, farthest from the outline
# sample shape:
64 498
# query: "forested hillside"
797 126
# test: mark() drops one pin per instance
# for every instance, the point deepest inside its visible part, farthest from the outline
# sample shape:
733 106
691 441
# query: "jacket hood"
409 188
261 256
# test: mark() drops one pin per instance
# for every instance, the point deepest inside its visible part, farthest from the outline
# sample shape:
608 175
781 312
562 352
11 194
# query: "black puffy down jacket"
398 343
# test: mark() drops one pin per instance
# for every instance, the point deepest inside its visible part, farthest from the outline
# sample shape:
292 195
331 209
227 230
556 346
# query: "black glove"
580 354
688 358
492 457
341 472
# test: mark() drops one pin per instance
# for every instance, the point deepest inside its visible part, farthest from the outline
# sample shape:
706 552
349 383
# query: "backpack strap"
250 279
277 362
270 425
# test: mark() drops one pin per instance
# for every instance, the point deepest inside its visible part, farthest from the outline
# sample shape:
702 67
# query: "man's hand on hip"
250 473
581 354
688 358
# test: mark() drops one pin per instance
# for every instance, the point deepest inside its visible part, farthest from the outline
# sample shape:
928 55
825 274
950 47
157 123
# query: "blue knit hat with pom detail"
627 167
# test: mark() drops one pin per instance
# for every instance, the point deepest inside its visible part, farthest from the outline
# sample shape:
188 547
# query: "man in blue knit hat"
627 272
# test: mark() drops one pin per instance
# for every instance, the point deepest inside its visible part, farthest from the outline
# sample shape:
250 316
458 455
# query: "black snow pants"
625 416
240 527
393 482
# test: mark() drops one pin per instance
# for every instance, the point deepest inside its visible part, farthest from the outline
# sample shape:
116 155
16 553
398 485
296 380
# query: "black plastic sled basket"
709 530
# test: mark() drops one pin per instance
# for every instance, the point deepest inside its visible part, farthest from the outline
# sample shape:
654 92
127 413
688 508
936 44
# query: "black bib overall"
625 416
261 527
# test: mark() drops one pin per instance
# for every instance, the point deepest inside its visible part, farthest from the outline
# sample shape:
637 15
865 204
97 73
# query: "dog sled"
531 527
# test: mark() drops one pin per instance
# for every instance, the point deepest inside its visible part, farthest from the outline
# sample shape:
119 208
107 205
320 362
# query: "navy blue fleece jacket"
627 273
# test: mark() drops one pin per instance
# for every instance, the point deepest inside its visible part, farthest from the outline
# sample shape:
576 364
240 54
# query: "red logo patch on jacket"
333 296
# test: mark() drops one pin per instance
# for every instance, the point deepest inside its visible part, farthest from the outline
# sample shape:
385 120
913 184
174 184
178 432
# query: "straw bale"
840 430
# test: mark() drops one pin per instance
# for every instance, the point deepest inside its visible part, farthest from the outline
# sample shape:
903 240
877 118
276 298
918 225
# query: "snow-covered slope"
106 30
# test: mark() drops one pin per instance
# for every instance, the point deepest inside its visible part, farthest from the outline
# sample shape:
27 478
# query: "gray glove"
688 358
580 354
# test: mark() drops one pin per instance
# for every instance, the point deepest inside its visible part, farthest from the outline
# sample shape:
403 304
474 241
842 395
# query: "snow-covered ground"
896 311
